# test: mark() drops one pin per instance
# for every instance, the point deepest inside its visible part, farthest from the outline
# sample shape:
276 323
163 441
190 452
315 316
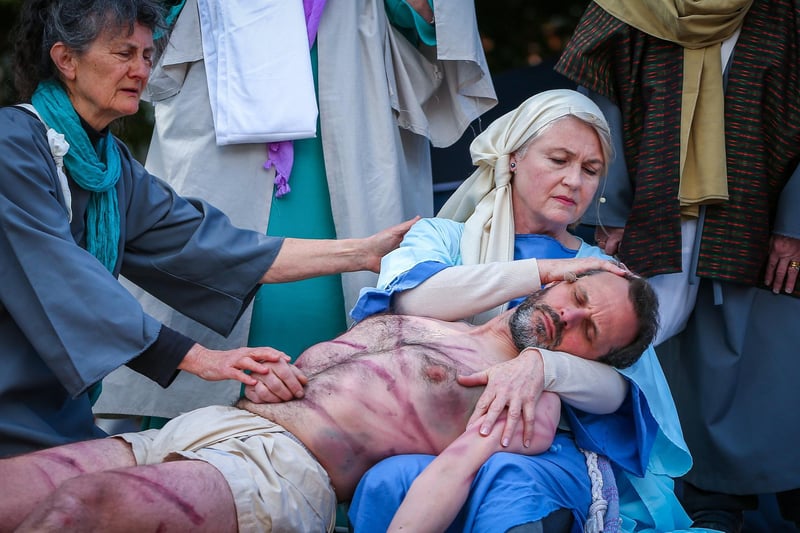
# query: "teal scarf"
95 170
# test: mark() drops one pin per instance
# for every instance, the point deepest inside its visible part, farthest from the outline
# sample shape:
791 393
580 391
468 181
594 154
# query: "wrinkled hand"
384 242
216 365
551 270
284 382
608 239
782 251
514 385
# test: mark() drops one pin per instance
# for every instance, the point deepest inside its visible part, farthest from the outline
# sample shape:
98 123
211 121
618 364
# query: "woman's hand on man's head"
552 270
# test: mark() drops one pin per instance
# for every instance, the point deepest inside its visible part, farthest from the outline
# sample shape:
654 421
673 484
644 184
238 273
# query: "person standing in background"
706 100
384 95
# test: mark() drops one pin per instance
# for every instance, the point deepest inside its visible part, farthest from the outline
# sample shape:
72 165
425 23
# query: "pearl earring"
513 166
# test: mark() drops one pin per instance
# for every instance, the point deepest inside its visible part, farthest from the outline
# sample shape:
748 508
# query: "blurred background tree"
516 34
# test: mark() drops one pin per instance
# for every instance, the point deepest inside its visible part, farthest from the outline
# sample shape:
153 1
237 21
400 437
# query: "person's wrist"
191 362
535 362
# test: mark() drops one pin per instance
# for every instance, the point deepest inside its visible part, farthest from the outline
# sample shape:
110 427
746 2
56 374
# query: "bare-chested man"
388 386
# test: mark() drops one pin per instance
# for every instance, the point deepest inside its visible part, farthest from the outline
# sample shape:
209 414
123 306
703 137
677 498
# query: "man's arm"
452 472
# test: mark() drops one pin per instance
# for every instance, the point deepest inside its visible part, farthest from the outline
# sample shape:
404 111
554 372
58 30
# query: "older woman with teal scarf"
537 169
76 211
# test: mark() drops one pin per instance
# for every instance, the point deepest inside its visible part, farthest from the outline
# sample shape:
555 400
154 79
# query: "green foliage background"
515 33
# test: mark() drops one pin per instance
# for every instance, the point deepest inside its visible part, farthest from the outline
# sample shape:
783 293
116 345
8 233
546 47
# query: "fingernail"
484 430
505 443
527 444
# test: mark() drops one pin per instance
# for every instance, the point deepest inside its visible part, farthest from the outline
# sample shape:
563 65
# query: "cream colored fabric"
184 153
466 290
588 385
276 483
700 27
483 201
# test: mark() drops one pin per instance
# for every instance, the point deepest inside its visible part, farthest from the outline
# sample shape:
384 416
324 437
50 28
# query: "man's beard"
528 328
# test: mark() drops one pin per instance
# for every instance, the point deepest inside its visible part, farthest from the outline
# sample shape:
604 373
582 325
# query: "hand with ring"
783 264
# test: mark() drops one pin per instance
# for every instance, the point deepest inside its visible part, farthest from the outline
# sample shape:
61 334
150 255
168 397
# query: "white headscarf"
483 201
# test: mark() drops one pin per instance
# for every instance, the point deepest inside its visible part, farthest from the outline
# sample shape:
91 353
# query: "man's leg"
36 475
182 495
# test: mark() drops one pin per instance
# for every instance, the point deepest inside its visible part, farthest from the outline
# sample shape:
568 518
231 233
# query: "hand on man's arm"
513 387
517 384
284 382
306 258
451 473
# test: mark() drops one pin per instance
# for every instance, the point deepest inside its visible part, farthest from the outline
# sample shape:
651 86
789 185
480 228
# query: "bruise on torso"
386 387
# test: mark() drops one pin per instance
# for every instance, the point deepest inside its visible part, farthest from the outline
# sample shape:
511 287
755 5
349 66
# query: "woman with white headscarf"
538 168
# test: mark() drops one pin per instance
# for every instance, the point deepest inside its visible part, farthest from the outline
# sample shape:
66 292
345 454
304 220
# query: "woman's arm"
462 291
305 258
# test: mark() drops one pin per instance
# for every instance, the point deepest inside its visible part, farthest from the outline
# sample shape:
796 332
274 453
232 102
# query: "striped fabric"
643 76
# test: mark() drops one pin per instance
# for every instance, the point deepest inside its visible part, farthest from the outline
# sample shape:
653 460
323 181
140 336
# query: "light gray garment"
380 102
734 380
372 80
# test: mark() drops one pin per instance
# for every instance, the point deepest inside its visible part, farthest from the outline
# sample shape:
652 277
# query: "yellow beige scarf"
700 27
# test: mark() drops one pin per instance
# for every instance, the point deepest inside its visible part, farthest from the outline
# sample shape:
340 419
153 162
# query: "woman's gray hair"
599 126
77 24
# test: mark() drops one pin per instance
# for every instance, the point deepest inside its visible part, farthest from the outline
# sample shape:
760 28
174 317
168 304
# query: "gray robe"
65 321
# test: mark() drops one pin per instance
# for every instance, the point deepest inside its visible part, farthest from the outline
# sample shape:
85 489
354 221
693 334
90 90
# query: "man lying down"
386 387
